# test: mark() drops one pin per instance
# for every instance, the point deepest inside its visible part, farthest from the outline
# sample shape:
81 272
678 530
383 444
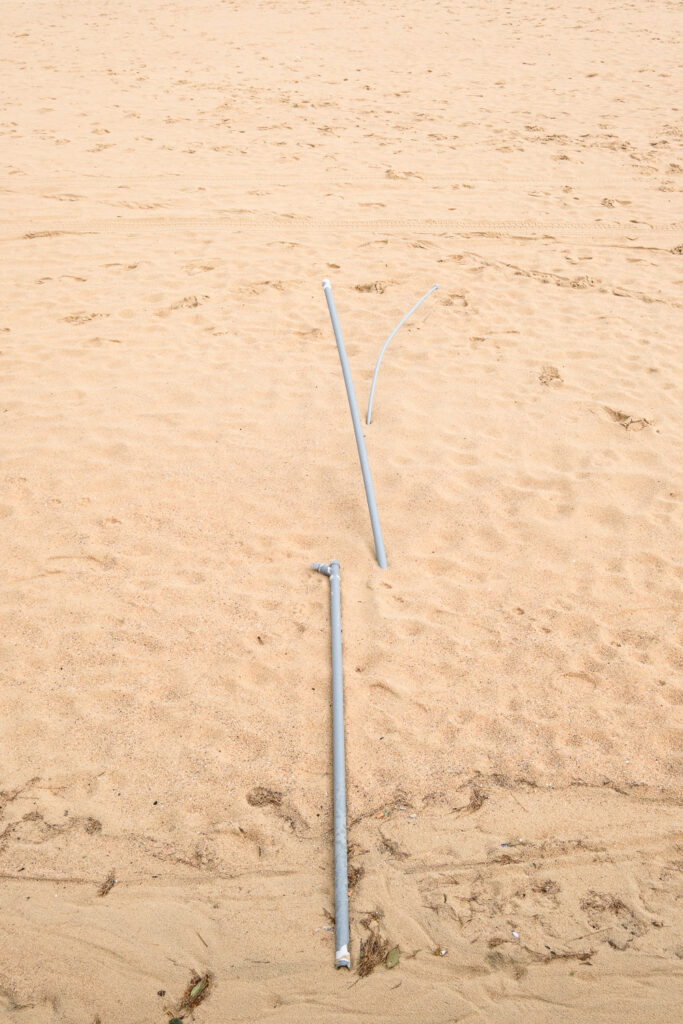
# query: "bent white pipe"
368 418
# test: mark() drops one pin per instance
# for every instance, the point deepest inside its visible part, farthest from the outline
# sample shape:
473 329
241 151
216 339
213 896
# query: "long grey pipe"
341 873
357 429
368 418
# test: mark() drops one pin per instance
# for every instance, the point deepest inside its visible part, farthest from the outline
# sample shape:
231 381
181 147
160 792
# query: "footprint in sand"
83 318
261 796
374 286
626 421
550 377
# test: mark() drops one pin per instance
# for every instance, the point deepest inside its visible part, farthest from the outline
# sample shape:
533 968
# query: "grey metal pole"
357 429
368 418
341 874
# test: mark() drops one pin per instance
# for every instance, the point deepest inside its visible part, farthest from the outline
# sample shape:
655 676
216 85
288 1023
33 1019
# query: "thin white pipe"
368 418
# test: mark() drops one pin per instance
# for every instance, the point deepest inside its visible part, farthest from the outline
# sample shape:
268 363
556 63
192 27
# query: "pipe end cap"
342 958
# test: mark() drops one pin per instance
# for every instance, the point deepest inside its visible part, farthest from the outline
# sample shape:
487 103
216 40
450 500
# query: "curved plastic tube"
357 429
368 418
341 872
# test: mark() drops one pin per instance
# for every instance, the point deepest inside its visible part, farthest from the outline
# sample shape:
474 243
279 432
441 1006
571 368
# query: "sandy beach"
176 449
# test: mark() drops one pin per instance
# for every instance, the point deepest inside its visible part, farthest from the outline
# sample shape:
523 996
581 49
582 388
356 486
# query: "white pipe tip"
342 957
326 282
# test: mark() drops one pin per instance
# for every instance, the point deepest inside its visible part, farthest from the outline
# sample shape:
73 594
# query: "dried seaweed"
196 992
107 885
373 952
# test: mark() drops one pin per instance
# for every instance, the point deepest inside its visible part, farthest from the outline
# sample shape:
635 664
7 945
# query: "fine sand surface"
176 449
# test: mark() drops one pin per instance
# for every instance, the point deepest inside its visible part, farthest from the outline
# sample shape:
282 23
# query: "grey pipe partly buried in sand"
341 872
357 429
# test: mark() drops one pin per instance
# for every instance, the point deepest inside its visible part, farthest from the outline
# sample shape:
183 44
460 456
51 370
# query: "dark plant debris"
107 885
373 952
570 955
372 919
392 848
196 992
356 872
374 949
476 801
